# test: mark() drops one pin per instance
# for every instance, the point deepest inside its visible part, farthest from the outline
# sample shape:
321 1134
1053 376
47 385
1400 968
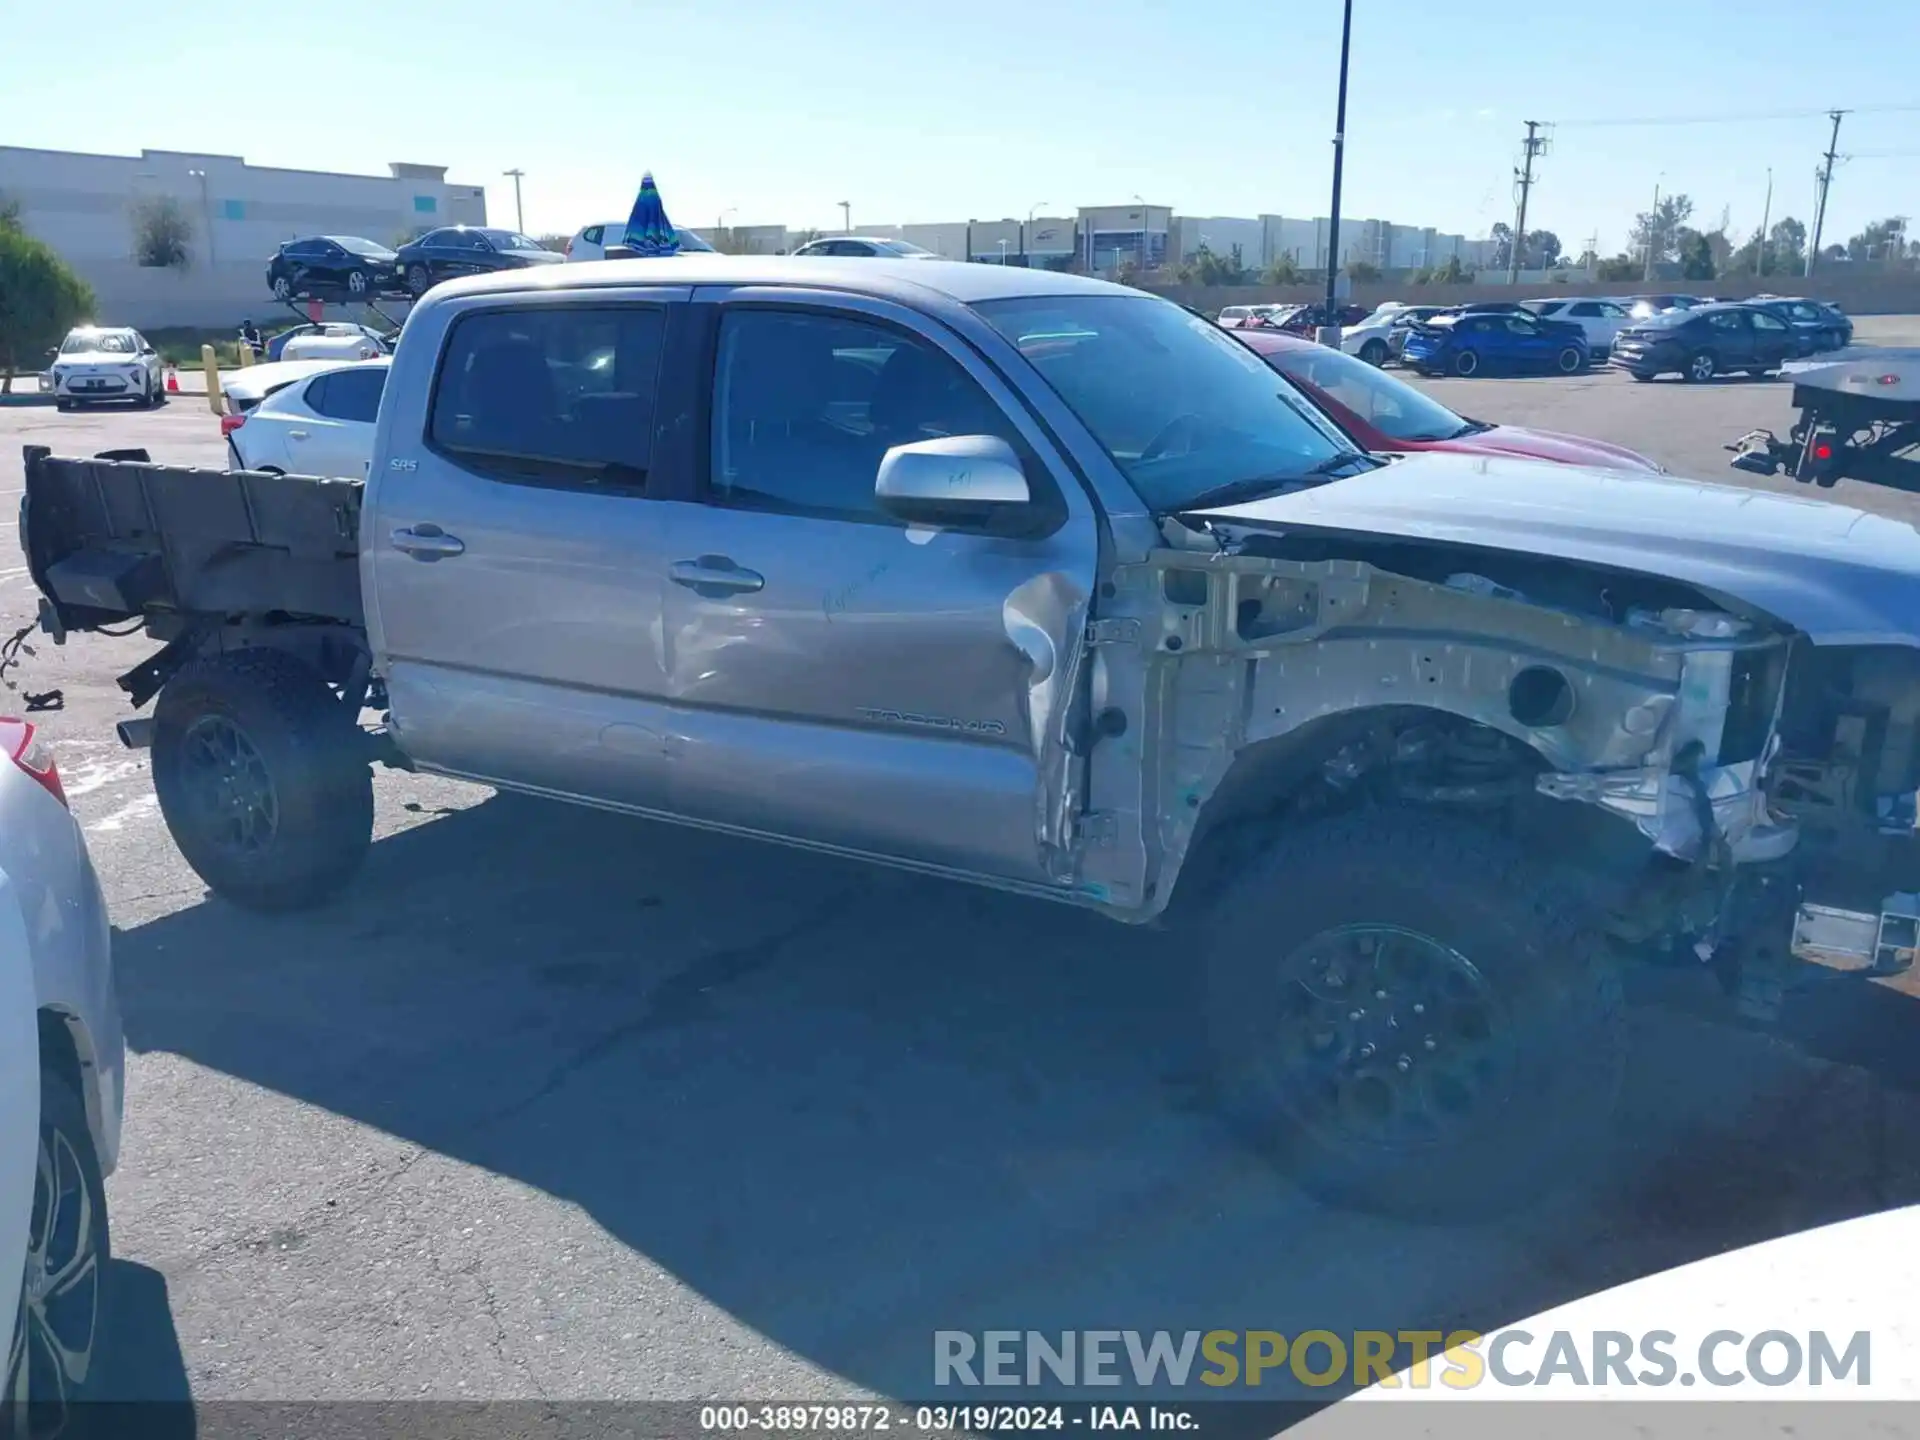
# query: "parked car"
1306 319
1816 325
94 364
332 267
590 242
317 424
865 247
1149 590
1233 317
62 1071
342 332
242 390
1600 320
468 250
1491 307
1378 337
1642 307
1384 413
1701 343
1473 342
1402 323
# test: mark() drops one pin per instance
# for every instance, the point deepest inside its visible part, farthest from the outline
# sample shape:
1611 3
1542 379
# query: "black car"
468 250
1645 307
1701 343
1817 325
328 267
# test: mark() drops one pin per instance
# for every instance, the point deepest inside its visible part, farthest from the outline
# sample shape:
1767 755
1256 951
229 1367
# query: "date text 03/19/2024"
980 1419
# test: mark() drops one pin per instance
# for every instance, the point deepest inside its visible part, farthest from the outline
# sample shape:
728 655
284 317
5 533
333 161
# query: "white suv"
1601 319
94 364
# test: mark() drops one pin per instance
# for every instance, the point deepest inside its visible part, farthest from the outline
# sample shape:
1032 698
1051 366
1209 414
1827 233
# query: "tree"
1620 267
1884 240
9 212
1786 247
1541 250
1696 255
162 233
40 300
1284 270
1588 259
1656 232
1362 271
1454 273
1208 268
1502 237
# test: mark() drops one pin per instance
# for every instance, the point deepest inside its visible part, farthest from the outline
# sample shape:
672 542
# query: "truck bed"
113 540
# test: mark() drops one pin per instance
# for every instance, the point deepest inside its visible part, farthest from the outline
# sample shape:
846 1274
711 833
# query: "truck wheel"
1413 1015
262 779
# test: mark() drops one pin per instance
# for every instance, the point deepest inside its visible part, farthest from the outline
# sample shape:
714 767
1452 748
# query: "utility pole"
1329 334
1533 144
846 217
1766 214
1826 179
1653 229
1593 249
519 215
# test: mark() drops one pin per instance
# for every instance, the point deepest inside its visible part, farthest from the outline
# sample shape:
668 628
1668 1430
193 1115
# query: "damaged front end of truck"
1730 793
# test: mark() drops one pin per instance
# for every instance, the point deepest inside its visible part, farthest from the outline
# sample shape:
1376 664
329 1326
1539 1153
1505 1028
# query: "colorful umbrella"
649 232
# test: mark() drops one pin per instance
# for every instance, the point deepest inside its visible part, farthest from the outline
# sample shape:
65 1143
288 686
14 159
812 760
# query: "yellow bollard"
245 353
210 362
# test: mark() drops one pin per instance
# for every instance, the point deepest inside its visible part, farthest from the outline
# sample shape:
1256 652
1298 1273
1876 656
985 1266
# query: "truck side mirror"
956 480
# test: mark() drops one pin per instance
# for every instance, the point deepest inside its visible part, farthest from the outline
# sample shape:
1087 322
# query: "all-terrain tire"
1548 1077
293 731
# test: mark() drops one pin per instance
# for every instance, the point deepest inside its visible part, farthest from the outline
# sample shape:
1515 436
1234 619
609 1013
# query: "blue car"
1473 342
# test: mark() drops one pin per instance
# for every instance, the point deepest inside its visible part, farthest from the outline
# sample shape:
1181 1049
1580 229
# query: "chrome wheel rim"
417 279
51 1356
356 282
233 797
1702 368
1467 363
281 289
1386 1039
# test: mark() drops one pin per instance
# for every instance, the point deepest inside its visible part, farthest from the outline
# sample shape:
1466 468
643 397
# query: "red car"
1383 412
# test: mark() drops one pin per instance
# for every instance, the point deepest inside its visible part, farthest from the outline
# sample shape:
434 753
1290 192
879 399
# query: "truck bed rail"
111 540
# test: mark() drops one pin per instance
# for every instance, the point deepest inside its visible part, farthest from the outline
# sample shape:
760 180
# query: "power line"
1732 118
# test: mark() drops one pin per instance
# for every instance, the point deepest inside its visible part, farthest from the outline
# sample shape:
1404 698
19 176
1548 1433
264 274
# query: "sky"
771 111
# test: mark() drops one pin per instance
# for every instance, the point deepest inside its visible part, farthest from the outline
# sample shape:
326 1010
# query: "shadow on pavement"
852 1108
145 1382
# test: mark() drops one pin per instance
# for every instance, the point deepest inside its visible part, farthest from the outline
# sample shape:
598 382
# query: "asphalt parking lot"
556 1104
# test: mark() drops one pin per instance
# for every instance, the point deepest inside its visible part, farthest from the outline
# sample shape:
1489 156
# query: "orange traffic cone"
173 381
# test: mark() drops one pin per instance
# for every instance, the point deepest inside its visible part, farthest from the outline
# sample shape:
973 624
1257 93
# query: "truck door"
840 677
513 552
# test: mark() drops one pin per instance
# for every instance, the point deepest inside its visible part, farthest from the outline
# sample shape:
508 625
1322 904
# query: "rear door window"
352 395
554 395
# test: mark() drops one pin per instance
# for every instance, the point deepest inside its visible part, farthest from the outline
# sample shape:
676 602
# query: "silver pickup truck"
1046 584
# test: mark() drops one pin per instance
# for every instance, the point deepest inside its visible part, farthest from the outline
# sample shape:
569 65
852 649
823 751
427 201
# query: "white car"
336 341
316 424
590 242
95 364
1372 339
865 247
1601 319
52 914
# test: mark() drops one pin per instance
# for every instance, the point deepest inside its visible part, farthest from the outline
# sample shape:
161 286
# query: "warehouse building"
89 208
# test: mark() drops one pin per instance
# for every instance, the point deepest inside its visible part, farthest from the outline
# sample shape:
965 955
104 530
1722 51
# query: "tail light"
231 423
24 746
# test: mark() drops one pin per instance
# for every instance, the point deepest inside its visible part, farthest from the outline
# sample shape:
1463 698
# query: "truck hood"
1839 575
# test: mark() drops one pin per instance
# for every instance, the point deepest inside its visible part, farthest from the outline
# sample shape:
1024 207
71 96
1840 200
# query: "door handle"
428 542
296 434
714 576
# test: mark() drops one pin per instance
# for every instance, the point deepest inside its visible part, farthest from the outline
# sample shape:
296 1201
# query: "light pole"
519 216
720 225
846 217
1003 250
1653 226
1024 229
1329 334
1766 214
1143 230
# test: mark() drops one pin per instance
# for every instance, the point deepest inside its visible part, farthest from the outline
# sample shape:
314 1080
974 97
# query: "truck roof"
957 280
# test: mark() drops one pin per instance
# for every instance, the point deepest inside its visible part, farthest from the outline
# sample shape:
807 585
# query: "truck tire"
263 779
1414 1016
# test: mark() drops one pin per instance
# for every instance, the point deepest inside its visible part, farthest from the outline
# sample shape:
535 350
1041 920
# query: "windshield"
360 245
511 240
1180 406
93 342
1390 405
899 247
